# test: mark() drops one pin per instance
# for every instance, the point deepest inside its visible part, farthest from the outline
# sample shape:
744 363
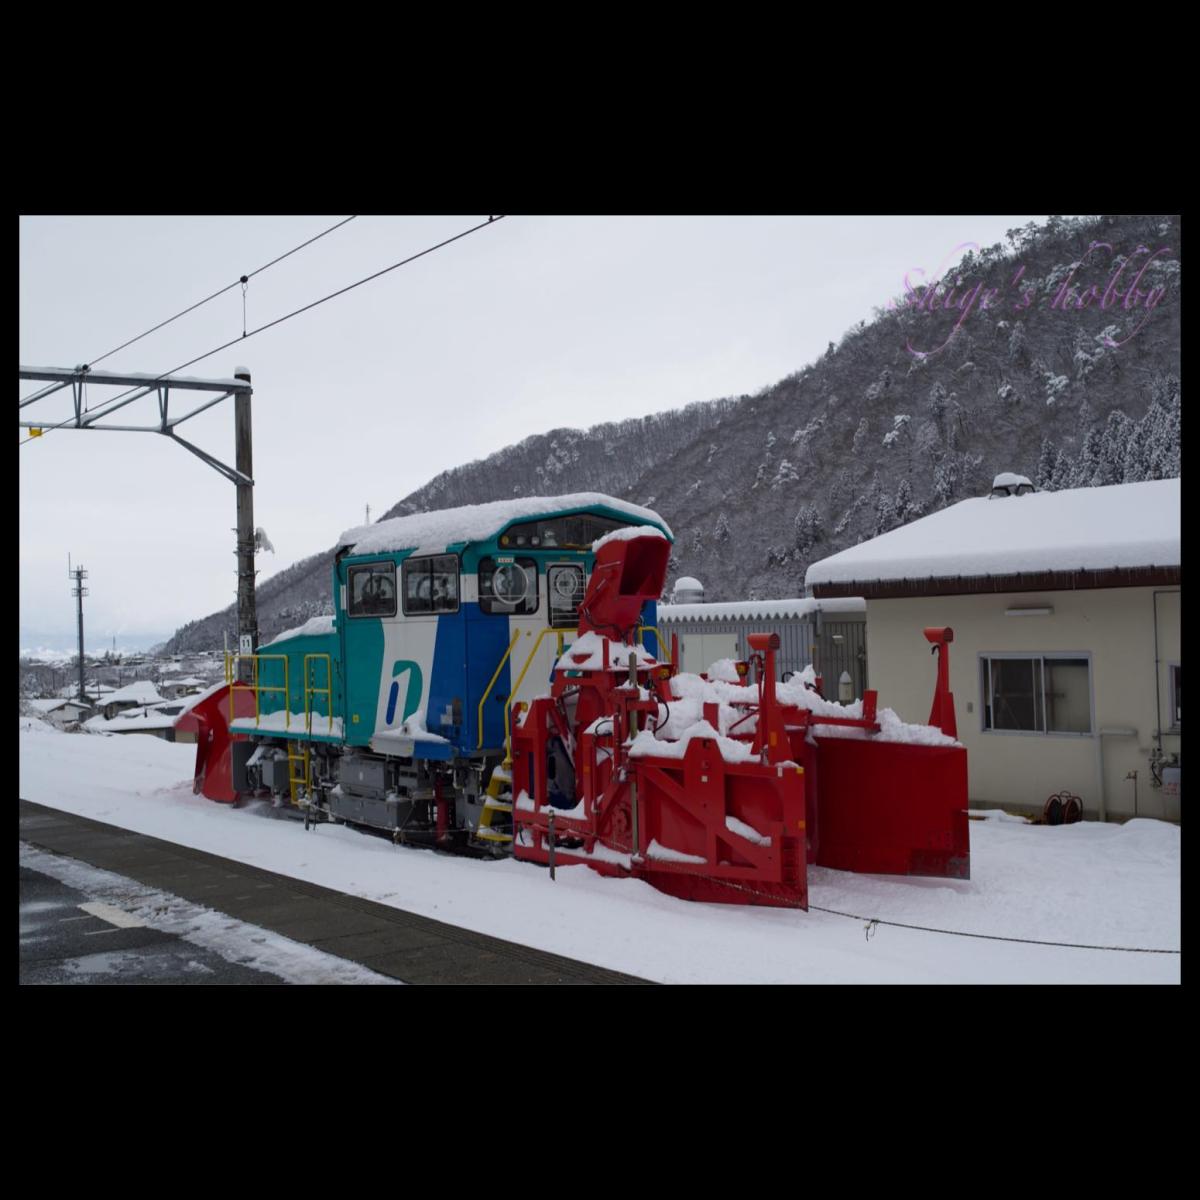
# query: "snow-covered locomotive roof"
478 522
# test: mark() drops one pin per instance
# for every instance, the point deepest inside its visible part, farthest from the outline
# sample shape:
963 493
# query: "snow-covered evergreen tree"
808 528
785 473
885 513
1045 468
1090 457
945 481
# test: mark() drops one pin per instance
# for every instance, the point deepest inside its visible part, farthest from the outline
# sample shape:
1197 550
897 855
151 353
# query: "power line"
199 303
278 321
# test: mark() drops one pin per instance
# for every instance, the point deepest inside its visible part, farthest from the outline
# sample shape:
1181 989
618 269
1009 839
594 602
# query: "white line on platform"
113 915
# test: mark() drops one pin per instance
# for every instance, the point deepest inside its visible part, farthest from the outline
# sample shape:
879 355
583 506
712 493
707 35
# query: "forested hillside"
1047 356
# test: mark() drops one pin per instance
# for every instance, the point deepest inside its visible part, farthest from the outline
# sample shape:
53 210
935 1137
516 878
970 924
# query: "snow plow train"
507 694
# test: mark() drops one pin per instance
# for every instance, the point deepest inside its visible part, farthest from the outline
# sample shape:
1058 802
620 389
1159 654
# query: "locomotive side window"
564 585
431 584
508 585
373 590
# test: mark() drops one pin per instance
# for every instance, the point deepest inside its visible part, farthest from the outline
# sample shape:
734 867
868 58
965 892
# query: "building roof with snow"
1126 535
53 705
141 692
478 522
146 718
759 610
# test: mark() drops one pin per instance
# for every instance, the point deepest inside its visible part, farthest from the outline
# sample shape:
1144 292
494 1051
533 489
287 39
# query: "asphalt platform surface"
389 941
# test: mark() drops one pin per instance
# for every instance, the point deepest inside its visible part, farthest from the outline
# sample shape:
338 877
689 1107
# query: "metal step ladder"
499 800
298 756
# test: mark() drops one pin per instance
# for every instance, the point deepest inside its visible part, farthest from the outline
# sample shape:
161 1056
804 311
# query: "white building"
62 711
1066 664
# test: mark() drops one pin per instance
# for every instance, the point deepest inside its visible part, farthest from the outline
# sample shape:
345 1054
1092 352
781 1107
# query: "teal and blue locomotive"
393 713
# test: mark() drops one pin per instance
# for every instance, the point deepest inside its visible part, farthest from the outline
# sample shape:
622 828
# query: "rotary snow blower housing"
732 807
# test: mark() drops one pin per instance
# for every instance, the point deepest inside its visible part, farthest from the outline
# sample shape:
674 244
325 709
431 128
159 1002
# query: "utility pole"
368 520
79 575
247 609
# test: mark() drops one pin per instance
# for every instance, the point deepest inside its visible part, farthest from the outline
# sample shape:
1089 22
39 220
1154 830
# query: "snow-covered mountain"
1057 356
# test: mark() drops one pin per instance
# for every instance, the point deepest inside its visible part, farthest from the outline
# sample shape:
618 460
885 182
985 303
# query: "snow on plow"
720 789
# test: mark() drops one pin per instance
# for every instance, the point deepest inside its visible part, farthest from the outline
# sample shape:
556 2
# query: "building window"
431 584
1037 694
1176 703
508 585
373 590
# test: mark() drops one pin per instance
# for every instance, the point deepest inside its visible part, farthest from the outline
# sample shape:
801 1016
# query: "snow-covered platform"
1044 904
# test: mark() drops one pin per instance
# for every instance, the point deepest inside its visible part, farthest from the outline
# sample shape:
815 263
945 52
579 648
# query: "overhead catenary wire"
242 279
164 377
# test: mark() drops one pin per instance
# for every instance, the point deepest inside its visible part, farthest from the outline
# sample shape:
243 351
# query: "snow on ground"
1099 885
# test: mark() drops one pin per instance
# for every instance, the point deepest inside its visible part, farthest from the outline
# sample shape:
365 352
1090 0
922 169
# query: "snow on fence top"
476 522
759 610
1081 529
311 628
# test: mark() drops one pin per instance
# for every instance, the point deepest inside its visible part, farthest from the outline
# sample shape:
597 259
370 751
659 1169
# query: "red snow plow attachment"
729 799
207 723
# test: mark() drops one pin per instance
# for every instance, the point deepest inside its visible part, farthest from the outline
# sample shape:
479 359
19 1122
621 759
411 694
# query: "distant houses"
132 695
63 711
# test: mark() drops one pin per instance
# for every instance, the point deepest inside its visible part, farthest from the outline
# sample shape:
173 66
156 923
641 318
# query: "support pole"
79 594
78 575
247 609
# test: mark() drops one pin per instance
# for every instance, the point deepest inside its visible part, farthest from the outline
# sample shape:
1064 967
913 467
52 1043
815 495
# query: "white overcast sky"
534 323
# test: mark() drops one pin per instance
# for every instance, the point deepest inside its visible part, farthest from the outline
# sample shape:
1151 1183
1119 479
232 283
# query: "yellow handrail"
326 691
657 637
517 687
256 687
491 683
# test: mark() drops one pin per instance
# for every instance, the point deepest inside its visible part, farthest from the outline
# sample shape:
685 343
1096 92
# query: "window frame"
1031 656
371 567
493 560
414 559
575 566
1176 725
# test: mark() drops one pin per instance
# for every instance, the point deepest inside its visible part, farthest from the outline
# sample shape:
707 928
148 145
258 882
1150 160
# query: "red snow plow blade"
208 725
886 808
731 818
